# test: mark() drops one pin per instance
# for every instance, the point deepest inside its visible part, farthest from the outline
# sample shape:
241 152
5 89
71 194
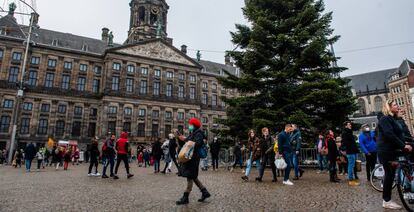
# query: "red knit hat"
195 122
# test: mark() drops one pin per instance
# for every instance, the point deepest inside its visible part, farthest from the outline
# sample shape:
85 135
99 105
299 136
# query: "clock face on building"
155 10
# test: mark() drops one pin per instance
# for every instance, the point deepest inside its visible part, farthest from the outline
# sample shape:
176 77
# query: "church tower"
148 20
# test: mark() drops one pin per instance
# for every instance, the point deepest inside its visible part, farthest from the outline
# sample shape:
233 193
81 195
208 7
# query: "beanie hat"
195 122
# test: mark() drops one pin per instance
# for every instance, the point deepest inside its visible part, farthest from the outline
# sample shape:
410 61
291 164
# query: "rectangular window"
35 60
116 66
205 85
141 112
115 83
83 67
17 56
144 71
78 111
155 114
223 103
32 78
168 115
25 126
143 88
214 100
51 63
205 120
60 128
130 85
181 76
156 88
192 93
169 90
192 115
45 108
214 86
13 74
180 116
1 53
113 110
112 126
5 124
204 100
181 91
193 78
76 128
141 130
62 109
66 82
50 77
128 111
96 85
42 127
154 132
127 127
157 73
93 112
97 69
131 69
92 130
27 106
170 75
67 65
8 103
81 83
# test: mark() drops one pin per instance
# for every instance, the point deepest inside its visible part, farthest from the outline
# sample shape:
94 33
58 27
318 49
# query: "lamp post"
20 92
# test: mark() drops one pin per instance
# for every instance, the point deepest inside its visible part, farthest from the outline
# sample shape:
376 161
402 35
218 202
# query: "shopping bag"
186 153
280 163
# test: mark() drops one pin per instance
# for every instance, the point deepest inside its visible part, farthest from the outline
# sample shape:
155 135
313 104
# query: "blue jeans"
296 164
28 164
109 160
288 156
249 165
157 165
322 160
351 166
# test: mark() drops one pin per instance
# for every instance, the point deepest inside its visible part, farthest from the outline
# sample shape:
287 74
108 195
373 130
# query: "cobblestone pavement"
73 190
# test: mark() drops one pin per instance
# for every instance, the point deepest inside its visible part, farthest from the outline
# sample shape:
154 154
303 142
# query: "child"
140 159
67 158
39 156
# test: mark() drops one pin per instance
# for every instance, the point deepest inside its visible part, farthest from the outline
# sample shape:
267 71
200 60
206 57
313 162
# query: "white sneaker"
390 205
90 175
287 182
318 172
243 171
97 174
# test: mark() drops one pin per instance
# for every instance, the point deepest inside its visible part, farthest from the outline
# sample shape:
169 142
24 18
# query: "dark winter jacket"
237 151
29 152
172 147
110 147
283 140
215 148
390 136
296 140
156 150
333 152
190 169
348 141
407 135
267 144
94 150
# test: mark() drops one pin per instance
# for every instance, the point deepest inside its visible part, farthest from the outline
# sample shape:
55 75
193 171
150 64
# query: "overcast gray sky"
205 25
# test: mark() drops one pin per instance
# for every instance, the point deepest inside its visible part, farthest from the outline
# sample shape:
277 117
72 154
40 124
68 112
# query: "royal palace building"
77 88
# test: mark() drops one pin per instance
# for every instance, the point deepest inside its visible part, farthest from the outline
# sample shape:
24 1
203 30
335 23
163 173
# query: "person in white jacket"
39 157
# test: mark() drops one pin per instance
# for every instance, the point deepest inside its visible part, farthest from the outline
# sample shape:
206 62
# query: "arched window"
361 105
141 15
378 103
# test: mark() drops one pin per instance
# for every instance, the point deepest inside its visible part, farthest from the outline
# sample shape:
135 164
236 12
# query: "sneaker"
318 172
97 174
341 173
287 182
245 178
116 177
353 183
231 169
105 176
296 178
130 175
169 171
90 175
243 171
390 205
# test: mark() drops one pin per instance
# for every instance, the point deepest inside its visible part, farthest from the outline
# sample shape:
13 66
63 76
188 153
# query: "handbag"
324 151
186 153
280 163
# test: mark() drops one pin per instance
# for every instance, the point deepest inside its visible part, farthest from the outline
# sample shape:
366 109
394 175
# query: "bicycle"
405 182
377 178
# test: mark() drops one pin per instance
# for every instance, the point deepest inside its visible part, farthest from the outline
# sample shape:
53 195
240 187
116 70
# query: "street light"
20 92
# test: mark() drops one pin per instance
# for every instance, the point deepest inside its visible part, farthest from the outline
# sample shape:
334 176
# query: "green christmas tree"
286 67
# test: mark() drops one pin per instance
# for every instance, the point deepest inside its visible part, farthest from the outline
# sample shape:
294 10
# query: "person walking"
67 158
268 155
108 152
146 158
322 159
75 156
189 169
333 155
369 147
204 161
172 147
167 159
39 157
29 154
122 146
285 151
351 148
255 153
157 154
238 156
215 151
390 140
94 158
296 143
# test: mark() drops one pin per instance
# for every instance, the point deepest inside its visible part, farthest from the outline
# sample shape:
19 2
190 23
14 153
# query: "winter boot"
204 195
184 199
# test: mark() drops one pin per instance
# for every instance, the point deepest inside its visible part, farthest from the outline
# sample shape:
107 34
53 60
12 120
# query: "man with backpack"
108 155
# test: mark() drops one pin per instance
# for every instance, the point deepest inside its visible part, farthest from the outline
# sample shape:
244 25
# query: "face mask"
367 129
191 128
